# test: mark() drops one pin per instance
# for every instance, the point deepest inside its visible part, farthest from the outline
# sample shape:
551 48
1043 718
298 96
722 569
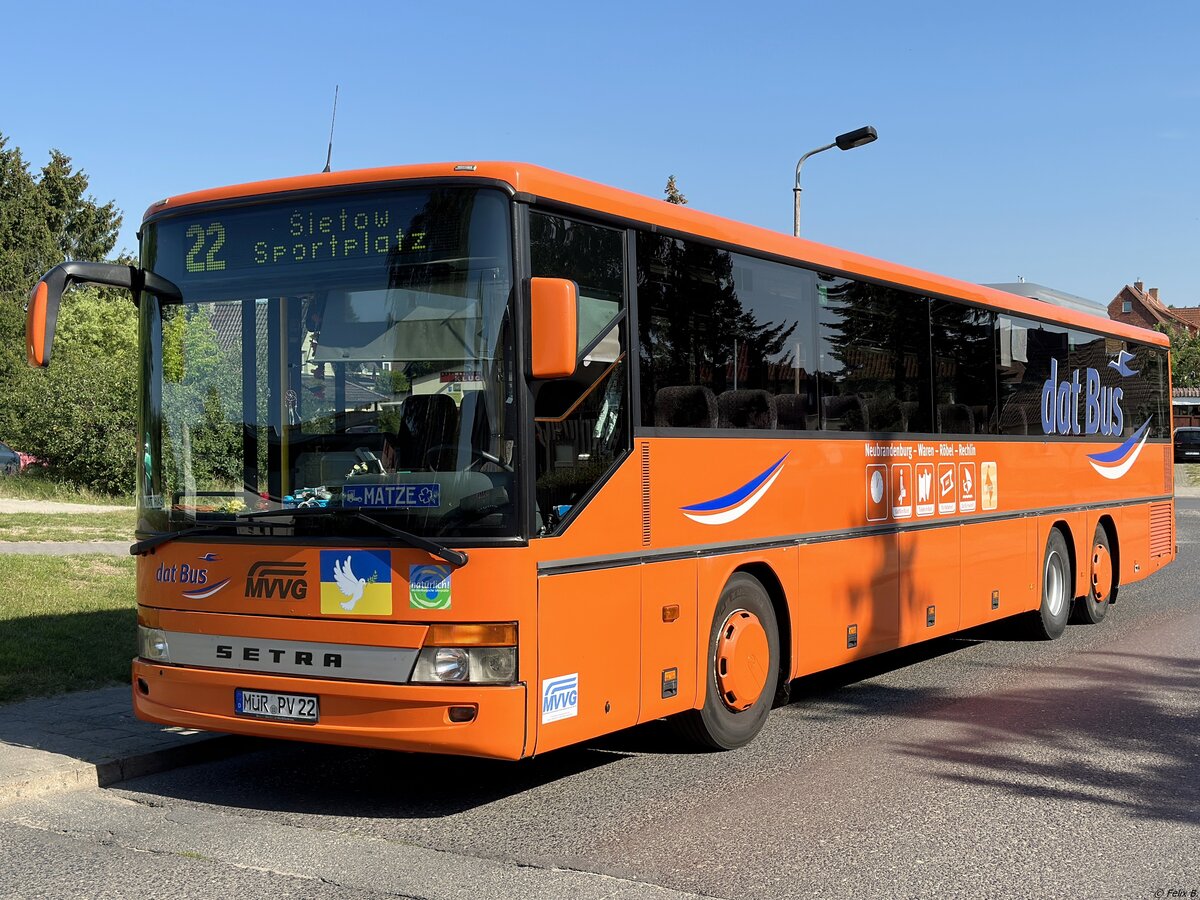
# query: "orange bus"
484 459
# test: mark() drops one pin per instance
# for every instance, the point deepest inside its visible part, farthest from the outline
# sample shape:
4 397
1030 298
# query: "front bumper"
384 716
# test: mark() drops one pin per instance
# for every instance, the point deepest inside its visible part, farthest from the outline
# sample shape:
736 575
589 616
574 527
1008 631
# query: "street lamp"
847 141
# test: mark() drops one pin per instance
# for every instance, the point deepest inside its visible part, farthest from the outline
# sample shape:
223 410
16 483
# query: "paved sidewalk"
91 739
66 548
55 506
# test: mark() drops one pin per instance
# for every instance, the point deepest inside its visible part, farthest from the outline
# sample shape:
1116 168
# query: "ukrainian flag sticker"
358 582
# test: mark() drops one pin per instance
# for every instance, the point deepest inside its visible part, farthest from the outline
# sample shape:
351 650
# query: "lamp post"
847 141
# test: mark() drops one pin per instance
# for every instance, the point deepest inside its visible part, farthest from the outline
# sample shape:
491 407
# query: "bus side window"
734 326
964 370
875 362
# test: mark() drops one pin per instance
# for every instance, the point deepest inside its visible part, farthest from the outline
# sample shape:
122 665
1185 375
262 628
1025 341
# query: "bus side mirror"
554 325
41 312
41 315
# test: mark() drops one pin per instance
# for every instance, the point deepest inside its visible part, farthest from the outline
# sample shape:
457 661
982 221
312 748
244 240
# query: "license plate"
270 705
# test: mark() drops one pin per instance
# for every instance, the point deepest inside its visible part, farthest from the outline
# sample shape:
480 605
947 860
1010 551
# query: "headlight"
451 664
152 644
466 665
457 657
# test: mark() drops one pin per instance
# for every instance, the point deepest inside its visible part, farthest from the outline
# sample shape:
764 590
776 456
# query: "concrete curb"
52 777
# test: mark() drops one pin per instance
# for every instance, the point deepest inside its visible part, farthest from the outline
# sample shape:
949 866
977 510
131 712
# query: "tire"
728 721
1091 608
1049 621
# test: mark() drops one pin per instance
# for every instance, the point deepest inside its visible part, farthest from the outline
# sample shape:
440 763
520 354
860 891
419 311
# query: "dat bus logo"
1061 404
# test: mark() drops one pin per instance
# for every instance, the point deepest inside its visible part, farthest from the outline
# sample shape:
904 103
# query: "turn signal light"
487 634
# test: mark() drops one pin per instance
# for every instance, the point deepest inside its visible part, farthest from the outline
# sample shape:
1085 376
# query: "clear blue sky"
1057 141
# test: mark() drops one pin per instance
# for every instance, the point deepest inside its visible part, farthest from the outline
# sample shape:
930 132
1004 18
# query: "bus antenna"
333 121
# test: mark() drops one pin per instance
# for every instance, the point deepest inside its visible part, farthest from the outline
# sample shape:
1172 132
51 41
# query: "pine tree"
674 195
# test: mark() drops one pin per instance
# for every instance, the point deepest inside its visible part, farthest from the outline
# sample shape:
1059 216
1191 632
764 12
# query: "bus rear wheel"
742 668
1050 620
1091 608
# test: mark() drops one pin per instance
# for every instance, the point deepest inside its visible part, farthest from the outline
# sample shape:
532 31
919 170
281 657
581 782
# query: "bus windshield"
331 353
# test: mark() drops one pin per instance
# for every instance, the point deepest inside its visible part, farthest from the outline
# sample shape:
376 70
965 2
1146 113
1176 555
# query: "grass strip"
105 526
67 623
32 484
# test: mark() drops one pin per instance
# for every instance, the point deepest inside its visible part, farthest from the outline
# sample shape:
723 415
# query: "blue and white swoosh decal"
1116 462
205 593
736 504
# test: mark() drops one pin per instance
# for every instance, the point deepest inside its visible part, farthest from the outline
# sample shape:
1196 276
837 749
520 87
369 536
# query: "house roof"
1187 313
1159 311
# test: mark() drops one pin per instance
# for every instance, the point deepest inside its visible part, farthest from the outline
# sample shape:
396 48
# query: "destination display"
379 229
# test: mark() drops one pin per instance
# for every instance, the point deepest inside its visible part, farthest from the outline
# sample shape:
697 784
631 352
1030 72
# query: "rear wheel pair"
1050 620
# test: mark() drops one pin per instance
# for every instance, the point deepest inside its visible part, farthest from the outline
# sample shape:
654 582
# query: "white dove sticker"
356 581
343 576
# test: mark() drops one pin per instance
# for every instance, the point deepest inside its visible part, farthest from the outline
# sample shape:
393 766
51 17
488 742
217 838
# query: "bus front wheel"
742 668
1050 619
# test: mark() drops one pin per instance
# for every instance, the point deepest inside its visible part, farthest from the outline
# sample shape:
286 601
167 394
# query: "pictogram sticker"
877 495
902 504
967 487
925 504
989 485
947 489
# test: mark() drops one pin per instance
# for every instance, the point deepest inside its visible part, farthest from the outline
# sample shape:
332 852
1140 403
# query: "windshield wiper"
165 537
456 558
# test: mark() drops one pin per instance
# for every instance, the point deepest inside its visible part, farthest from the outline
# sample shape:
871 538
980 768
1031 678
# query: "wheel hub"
743 656
1055 584
1101 572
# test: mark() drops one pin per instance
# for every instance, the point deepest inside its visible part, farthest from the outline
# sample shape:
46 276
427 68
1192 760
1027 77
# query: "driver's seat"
428 431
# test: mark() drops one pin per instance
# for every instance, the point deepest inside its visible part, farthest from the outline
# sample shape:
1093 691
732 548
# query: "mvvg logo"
269 579
560 698
1061 404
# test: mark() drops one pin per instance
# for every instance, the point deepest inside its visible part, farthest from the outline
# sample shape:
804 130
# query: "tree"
79 416
79 227
674 195
1185 356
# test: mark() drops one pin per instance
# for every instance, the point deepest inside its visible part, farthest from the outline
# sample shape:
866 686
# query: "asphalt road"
978 766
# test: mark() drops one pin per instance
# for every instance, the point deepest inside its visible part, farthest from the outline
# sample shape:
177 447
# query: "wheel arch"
1109 525
767 577
1072 553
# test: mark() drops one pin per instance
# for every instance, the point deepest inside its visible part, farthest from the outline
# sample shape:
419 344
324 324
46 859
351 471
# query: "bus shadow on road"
1119 734
315 779
823 683
661 737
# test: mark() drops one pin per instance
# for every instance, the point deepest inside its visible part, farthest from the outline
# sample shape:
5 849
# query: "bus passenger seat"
1012 418
746 409
982 419
685 406
843 412
955 418
427 422
791 412
885 414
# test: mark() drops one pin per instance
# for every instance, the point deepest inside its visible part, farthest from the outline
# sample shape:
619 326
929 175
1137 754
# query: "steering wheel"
478 457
